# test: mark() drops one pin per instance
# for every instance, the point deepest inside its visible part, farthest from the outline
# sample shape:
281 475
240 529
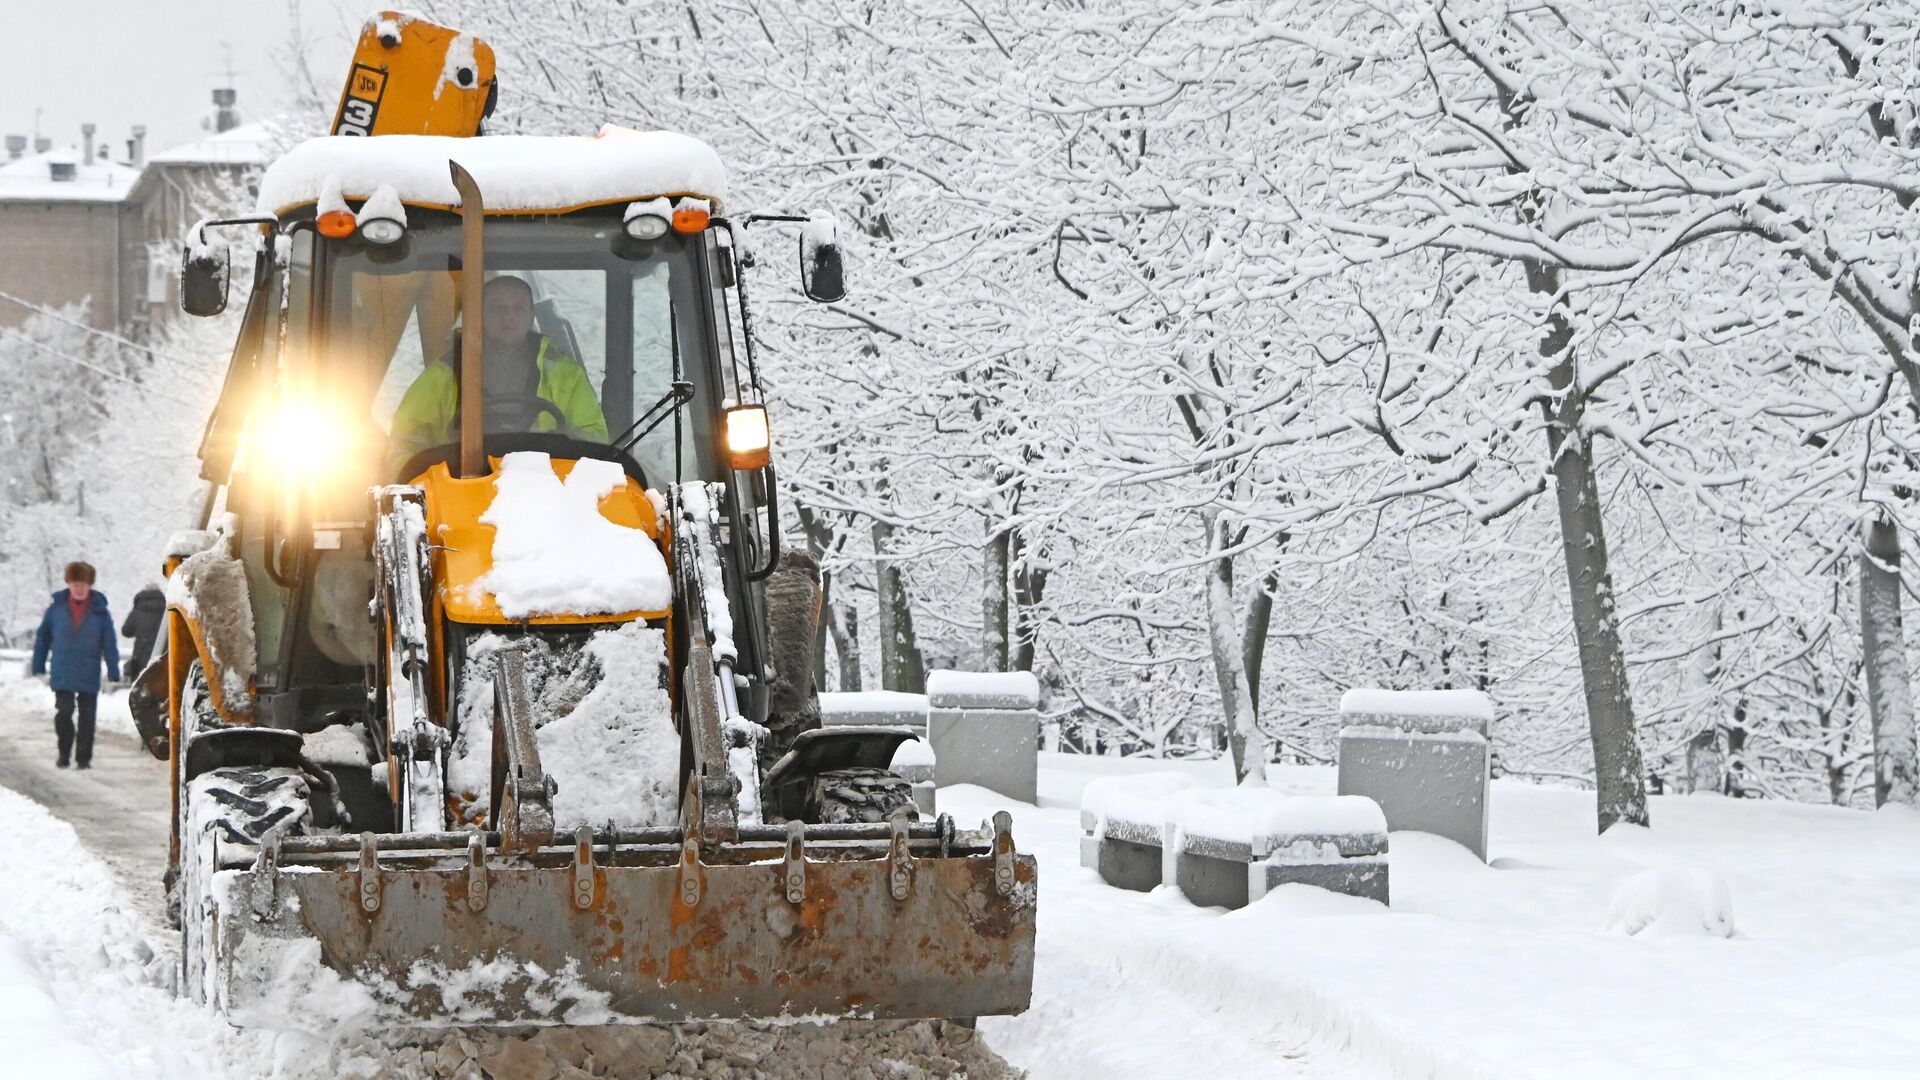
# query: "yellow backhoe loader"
487 685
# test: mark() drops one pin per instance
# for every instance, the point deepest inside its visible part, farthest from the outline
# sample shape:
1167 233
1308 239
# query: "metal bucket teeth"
891 927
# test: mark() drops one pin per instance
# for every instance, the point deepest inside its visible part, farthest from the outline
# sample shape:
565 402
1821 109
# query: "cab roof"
516 173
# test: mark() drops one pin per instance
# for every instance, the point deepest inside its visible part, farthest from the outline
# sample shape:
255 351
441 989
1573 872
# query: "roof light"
382 219
749 440
336 224
331 215
691 215
648 220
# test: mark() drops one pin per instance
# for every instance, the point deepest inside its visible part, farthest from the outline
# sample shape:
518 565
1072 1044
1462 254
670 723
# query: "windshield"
585 329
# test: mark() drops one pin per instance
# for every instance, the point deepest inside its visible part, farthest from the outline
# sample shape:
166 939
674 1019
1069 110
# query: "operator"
522 368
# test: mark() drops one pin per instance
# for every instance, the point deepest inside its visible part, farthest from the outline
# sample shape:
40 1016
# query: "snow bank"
83 991
555 553
1670 902
1138 799
515 172
1471 704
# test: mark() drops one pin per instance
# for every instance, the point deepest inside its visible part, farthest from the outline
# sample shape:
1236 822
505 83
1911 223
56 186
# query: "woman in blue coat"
77 634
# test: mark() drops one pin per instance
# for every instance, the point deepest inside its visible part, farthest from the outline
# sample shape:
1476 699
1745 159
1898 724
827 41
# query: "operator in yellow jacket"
523 368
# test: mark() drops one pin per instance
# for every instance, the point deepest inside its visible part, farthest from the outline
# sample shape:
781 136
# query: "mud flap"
780 929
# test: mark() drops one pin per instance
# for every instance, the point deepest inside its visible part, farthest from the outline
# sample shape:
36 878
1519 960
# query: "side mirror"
206 268
823 275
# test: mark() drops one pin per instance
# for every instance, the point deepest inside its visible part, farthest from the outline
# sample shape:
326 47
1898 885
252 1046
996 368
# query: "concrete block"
948 689
996 749
1363 876
1429 782
1127 865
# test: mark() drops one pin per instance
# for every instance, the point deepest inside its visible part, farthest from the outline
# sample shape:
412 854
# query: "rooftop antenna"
226 117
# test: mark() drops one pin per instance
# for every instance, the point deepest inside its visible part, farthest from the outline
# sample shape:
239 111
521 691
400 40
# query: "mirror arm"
773 529
740 286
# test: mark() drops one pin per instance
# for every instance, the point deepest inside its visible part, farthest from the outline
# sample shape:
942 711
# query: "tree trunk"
1244 740
843 622
1254 641
1029 588
995 646
1620 784
1883 645
901 665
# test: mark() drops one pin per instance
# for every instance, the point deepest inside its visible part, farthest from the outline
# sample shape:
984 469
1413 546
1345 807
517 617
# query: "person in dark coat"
143 626
76 634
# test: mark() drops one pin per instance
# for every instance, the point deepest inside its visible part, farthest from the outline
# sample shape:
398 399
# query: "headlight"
382 230
302 440
749 440
648 220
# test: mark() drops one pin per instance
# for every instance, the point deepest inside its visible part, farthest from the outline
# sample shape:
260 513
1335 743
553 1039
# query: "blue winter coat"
77 650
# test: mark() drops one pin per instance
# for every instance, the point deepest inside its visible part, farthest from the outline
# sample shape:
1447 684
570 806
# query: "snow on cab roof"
515 172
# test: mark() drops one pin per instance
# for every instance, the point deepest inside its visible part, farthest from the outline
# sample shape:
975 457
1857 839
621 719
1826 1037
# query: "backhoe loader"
487 682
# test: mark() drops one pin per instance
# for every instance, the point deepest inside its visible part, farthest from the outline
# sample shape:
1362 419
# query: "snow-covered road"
1508 969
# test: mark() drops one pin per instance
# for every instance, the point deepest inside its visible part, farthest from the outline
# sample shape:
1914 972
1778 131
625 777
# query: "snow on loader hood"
515 172
555 553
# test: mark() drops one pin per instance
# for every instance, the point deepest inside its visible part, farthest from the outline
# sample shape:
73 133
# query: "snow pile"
1262 816
515 172
341 744
616 756
483 988
1136 798
1670 902
211 588
605 726
555 553
83 991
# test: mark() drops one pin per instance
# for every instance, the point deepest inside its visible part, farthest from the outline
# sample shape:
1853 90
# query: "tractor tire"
852 796
227 812
196 702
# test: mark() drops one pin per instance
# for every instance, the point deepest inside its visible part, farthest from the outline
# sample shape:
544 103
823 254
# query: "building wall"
58 253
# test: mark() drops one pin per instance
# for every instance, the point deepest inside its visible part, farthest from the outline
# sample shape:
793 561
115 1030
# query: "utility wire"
115 338
18 336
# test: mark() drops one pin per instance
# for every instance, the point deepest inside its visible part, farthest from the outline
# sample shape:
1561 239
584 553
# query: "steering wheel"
513 406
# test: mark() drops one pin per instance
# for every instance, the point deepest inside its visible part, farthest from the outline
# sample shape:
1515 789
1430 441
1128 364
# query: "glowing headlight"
749 440
302 440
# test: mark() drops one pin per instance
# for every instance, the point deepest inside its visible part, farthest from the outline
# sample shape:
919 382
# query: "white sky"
118 63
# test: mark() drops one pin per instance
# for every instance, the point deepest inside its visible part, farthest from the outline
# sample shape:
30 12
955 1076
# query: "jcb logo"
362 101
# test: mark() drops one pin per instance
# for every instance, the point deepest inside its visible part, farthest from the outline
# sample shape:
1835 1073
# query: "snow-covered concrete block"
1236 844
1128 828
998 749
1423 756
867 708
1017 690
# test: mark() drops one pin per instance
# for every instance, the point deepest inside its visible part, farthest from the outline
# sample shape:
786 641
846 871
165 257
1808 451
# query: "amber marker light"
335 224
691 216
749 441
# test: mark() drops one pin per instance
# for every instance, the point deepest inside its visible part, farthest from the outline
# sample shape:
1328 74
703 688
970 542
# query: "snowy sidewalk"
1502 970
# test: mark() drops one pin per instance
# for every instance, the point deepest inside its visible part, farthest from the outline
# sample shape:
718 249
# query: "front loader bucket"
879 921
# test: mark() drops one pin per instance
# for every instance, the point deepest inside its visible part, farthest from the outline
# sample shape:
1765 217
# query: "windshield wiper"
680 394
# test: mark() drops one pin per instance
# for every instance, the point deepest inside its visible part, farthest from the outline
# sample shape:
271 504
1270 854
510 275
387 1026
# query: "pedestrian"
143 626
76 634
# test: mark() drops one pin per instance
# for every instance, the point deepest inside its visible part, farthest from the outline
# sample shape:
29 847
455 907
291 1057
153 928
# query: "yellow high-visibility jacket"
429 411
